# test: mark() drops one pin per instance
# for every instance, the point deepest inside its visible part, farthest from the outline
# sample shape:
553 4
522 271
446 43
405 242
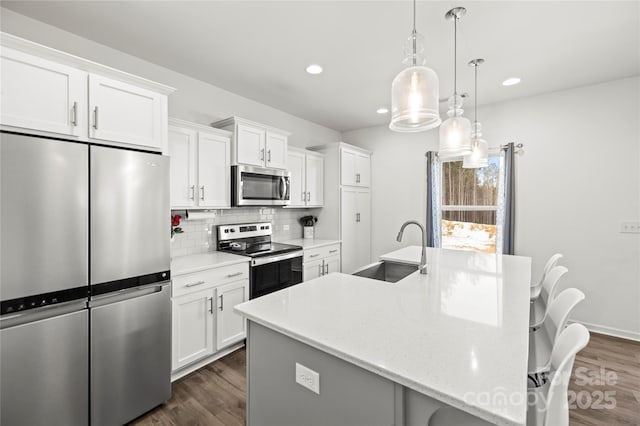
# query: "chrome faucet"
423 258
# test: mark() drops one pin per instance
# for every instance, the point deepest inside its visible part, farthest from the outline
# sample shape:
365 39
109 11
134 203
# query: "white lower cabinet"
230 327
192 325
356 228
203 321
321 261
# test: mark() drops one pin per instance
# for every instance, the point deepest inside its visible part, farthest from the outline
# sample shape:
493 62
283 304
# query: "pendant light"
455 132
479 156
414 91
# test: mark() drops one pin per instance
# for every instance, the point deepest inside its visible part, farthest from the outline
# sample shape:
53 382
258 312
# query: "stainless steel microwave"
256 186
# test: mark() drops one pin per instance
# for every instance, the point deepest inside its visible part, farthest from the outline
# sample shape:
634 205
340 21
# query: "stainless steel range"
274 266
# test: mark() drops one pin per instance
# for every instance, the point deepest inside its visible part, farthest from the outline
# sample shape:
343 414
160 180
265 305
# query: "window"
468 206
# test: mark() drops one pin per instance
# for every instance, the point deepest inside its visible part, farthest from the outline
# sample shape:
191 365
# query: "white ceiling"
260 49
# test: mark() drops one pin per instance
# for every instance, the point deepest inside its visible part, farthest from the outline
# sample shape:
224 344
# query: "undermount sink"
386 271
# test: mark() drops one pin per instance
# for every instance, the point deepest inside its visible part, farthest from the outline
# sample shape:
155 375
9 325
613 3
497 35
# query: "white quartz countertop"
199 262
458 334
311 243
410 255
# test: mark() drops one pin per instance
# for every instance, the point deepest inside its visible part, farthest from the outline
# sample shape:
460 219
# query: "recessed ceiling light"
382 110
511 81
314 69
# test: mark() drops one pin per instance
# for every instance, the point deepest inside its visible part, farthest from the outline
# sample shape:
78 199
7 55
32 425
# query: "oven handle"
270 259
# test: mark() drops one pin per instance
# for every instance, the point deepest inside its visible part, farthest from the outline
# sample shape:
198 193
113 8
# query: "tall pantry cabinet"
347 205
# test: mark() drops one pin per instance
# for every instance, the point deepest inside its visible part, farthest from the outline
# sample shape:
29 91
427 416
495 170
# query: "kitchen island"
393 353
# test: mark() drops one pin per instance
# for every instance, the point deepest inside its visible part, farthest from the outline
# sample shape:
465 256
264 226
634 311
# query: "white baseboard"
178 374
610 331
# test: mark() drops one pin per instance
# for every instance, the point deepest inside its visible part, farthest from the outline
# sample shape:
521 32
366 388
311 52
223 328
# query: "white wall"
193 100
578 179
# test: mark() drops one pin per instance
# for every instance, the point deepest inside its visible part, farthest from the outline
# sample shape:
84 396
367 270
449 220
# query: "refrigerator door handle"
38 314
132 293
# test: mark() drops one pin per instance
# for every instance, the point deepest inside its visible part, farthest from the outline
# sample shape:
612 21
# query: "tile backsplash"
199 236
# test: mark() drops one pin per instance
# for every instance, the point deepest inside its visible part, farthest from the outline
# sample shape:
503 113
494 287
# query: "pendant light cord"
455 55
414 35
475 100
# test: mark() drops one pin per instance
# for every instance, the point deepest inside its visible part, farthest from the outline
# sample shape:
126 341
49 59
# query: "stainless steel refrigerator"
85 320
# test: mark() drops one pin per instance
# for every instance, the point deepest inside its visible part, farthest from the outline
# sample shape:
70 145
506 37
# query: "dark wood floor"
215 394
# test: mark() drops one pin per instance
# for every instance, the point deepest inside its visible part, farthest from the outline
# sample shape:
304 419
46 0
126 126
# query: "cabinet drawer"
321 252
187 283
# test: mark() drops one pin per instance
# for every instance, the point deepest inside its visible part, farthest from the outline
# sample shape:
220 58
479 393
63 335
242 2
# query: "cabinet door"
311 270
315 180
214 184
363 170
42 95
276 154
182 151
332 264
231 327
250 143
363 247
192 327
121 112
349 230
296 163
347 167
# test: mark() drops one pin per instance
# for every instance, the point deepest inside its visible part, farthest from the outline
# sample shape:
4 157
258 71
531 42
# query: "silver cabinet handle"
268 156
357 177
326 268
357 217
74 114
262 155
193 192
95 117
202 192
320 270
221 302
237 274
308 196
195 284
314 255
211 304
304 196
333 251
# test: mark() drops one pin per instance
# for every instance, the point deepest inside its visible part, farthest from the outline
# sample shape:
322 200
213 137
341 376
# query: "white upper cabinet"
214 172
200 166
276 150
47 91
250 145
256 144
298 192
307 178
355 168
42 95
121 112
315 180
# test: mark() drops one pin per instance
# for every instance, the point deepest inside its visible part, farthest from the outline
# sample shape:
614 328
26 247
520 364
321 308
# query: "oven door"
274 273
255 186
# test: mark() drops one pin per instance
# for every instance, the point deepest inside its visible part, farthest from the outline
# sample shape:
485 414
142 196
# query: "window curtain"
507 203
434 213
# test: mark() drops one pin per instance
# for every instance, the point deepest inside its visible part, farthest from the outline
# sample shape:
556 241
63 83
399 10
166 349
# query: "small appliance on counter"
274 266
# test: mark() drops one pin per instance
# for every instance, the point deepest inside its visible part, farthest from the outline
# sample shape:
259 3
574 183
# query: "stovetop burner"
251 239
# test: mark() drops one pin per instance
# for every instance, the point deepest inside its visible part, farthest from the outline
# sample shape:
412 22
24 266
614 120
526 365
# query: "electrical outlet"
308 378
630 227
285 227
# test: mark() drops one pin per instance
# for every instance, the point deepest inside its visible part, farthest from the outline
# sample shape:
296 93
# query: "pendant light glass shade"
479 156
455 131
414 100
415 90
